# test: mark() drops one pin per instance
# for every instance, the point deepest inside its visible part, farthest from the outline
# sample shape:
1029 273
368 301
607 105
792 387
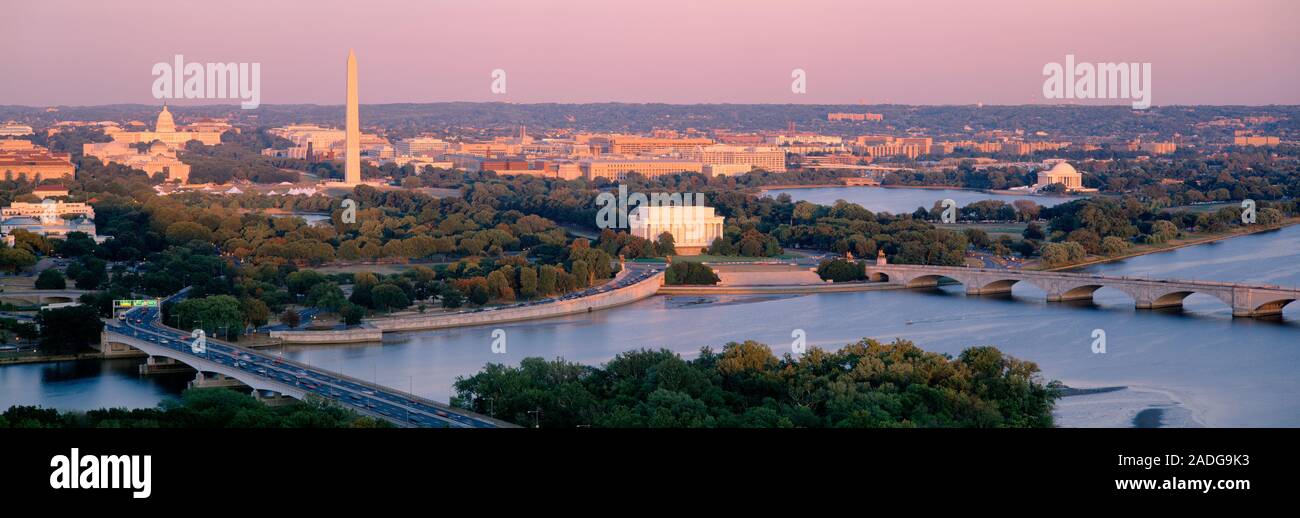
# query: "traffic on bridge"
144 324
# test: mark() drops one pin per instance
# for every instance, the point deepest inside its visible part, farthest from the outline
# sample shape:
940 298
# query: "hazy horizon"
933 53
187 103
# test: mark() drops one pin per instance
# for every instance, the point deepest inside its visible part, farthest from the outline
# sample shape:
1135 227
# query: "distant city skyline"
672 51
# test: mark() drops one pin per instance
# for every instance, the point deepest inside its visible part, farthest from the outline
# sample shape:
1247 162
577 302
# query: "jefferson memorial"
1064 174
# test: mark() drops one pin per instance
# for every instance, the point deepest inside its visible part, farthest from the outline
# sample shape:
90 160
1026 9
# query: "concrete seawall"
647 288
776 289
627 295
333 336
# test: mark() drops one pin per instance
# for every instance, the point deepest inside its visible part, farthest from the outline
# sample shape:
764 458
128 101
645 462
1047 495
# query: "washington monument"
352 156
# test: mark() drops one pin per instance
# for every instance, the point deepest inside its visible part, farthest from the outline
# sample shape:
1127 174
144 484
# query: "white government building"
693 227
49 218
1064 174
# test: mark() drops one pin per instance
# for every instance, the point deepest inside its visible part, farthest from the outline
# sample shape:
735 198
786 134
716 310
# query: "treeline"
244 267
755 226
1181 179
985 210
238 157
395 226
690 273
250 296
1109 226
196 408
864 384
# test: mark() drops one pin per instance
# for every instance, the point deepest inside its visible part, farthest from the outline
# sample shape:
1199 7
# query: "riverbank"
790 289
642 289
1004 192
46 358
1123 407
1142 250
763 190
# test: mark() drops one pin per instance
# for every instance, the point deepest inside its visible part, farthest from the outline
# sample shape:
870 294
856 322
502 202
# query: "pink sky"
674 51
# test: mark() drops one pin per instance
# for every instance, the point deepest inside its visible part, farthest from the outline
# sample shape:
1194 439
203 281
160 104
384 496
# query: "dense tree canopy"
865 384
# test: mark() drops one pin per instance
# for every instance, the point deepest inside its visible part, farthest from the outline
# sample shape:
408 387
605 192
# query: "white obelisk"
352 153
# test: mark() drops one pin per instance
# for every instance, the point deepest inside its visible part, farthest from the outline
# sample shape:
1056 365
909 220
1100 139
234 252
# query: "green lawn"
994 230
1203 208
704 258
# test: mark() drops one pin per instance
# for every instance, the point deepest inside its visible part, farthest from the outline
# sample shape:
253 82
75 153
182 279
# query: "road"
635 272
399 407
995 262
305 318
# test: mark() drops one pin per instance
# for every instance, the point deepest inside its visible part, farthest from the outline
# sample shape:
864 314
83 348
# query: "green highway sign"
134 303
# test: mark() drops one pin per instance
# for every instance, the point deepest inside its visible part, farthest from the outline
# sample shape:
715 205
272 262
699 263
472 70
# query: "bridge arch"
1080 292
1272 307
1000 285
1245 300
930 280
1173 298
1058 291
1146 297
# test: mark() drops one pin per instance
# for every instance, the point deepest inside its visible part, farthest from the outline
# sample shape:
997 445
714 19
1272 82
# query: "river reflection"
86 384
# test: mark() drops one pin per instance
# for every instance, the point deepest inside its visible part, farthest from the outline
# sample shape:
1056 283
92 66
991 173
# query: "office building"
22 159
616 169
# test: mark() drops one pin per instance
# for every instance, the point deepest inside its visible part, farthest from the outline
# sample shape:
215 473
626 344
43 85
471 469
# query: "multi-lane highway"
399 407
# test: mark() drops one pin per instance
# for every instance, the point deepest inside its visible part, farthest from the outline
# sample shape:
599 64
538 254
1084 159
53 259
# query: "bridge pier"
115 349
162 365
1157 304
272 398
1272 309
1256 313
987 290
214 380
1255 302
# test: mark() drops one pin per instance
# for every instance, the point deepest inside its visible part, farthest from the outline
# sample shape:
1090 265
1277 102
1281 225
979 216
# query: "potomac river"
1193 367
899 200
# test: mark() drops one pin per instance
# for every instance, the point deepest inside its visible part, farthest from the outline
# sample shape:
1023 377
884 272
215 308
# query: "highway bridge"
141 329
38 297
1246 300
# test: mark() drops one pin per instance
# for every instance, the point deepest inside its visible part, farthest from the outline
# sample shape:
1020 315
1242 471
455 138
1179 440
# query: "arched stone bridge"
1246 300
